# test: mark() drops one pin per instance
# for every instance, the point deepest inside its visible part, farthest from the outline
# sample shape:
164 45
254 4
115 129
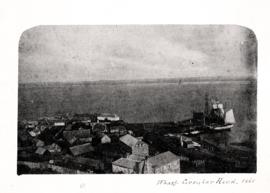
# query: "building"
99 128
166 162
118 130
210 145
70 139
85 118
105 139
54 148
42 151
107 117
31 124
128 140
101 138
81 149
59 124
140 148
125 165
82 133
136 158
39 143
137 146
191 144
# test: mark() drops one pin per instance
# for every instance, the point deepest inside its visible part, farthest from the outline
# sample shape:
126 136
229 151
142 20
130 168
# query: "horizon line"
157 80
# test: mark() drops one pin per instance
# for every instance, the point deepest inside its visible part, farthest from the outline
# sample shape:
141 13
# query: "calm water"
144 102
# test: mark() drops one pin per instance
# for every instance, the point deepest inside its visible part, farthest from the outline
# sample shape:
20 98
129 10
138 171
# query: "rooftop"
81 149
125 163
107 115
40 150
136 158
162 159
129 140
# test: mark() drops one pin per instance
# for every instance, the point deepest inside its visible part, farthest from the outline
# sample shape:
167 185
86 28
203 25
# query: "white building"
108 117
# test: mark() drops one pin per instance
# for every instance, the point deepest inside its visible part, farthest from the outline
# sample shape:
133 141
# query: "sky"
135 52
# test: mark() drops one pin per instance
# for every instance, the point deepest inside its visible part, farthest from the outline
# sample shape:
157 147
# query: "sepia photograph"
137 99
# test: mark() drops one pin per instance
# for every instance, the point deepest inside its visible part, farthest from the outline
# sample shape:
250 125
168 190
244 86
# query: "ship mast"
206 107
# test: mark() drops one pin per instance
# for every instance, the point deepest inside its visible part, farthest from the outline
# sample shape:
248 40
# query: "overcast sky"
89 53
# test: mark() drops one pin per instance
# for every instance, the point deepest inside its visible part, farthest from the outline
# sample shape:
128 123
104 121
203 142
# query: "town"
104 143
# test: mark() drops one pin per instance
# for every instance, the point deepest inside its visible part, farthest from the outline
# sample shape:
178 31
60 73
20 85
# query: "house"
118 130
94 164
35 132
210 145
107 117
85 118
39 143
31 124
105 139
136 158
75 125
81 149
124 165
130 165
70 139
112 150
68 127
59 124
41 151
85 140
99 128
24 139
138 147
128 140
191 144
101 138
54 148
82 133
166 162
187 142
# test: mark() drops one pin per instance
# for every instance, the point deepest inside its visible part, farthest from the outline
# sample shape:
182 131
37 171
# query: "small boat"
195 132
225 127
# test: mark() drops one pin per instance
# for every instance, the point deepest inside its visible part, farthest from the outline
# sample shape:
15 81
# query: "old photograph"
137 99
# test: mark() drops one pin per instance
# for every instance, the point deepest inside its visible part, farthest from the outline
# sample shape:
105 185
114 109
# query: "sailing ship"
215 119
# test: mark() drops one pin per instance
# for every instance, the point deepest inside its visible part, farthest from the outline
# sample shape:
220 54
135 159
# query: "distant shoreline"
180 81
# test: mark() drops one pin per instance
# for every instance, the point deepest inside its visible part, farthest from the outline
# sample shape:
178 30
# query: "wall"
140 149
118 169
58 169
172 167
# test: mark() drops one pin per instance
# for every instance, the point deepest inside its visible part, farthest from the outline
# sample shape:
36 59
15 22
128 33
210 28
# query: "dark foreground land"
150 111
